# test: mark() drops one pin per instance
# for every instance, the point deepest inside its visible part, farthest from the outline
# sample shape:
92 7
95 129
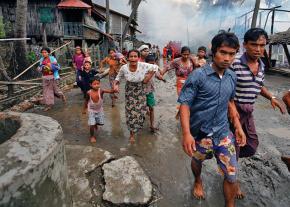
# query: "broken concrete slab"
81 160
126 182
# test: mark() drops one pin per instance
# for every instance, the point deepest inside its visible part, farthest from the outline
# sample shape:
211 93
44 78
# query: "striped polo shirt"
248 85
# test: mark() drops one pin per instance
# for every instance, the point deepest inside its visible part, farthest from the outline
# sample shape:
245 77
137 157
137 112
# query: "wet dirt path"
264 177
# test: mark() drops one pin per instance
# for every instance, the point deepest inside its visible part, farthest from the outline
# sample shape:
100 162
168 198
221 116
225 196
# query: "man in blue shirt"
204 101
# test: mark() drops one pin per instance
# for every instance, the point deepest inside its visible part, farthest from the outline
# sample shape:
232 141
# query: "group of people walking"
216 98
217 104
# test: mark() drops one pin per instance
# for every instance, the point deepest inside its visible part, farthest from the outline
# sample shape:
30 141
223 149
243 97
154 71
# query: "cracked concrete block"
82 160
126 182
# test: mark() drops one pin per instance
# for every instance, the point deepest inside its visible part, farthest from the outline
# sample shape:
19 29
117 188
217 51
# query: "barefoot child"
150 89
94 104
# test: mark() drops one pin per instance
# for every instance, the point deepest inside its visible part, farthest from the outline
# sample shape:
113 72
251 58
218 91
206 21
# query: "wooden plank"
38 61
17 83
14 39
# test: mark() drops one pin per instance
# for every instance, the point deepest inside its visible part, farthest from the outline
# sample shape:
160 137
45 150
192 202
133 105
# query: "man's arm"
274 102
235 120
186 99
188 141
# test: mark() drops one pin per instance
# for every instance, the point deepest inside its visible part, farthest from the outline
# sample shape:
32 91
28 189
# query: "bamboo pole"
39 60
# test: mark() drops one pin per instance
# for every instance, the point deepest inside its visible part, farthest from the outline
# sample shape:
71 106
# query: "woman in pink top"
78 61
183 67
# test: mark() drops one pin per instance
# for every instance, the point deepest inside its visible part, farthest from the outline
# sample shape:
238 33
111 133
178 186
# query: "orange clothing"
179 83
113 64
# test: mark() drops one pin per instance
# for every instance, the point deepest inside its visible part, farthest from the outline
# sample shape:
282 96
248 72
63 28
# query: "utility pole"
255 14
272 32
107 16
107 26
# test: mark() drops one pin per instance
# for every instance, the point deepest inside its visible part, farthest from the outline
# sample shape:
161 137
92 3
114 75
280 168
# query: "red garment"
46 69
164 52
141 60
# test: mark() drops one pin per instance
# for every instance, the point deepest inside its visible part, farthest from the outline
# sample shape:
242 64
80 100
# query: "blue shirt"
208 95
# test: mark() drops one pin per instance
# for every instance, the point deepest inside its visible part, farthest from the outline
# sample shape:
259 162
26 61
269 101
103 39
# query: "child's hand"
116 89
80 78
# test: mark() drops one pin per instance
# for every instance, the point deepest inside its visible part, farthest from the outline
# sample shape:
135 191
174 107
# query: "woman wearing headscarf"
144 52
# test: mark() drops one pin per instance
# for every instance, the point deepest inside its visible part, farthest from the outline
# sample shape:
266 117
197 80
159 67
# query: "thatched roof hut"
281 38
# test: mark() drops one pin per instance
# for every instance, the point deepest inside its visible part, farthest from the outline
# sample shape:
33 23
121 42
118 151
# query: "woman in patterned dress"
136 75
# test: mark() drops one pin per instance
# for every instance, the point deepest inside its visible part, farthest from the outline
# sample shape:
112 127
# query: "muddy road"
264 177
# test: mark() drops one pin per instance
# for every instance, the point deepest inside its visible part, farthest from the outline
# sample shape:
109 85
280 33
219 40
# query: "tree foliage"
2 28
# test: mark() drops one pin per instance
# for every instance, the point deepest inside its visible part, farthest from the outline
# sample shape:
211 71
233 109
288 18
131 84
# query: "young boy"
86 74
149 89
94 104
201 55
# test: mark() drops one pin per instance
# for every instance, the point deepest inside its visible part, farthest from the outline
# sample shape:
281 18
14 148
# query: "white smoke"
194 22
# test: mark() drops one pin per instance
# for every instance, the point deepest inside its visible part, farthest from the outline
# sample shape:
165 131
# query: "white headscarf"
143 47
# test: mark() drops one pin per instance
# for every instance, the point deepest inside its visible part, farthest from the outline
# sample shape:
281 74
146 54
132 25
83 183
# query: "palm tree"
134 5
20 32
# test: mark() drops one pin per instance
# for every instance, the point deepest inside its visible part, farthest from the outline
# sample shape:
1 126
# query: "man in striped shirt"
250 83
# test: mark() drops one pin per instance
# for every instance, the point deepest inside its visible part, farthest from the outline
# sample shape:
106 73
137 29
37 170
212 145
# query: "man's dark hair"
254 34
150 58
46 49
88 62
203 48
184 49
95 78
224 39
134 50
111 49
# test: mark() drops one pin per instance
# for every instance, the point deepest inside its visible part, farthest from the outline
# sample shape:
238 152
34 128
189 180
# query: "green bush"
2 29
31 57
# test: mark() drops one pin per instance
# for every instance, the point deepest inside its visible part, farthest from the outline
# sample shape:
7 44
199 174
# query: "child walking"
94 105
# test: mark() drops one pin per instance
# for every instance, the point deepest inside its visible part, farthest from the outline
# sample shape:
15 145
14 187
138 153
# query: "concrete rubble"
126 182
82 160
